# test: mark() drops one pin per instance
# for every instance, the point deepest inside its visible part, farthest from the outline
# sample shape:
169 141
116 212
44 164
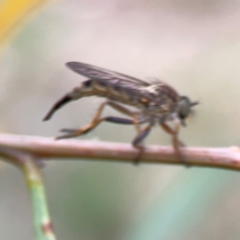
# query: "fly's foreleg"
176 142
173 133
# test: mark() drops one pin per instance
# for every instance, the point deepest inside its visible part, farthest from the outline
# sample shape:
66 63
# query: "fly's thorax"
160 105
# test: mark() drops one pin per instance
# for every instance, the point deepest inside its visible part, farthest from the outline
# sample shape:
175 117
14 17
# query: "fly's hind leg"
176 142
69 133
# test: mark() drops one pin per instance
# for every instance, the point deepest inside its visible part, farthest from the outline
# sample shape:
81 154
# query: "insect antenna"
193 113
194 103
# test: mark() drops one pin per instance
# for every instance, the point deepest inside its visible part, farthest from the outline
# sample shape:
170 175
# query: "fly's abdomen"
86 88
116 92
99 88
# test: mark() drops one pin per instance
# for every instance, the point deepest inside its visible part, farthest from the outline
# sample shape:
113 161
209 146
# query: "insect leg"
119 120
97 120
120 108
137 141
172 132
176 142
77 132
128 112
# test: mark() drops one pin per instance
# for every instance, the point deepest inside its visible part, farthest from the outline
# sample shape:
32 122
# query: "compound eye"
184 108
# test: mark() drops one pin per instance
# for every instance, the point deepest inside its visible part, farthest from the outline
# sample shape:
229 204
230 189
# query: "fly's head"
184 108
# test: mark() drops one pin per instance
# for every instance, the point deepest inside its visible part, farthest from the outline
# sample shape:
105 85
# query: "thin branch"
42 223
48 148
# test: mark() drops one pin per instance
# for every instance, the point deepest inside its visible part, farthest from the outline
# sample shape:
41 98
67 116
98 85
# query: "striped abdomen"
102 88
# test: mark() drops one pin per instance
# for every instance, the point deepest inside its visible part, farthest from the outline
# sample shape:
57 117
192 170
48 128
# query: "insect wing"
94 72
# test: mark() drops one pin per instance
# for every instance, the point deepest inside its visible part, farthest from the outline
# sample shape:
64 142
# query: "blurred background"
194 45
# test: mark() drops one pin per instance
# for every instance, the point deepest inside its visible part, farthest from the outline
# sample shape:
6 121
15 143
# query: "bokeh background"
194 45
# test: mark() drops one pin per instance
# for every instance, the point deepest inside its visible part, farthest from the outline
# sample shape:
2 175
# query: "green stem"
42 222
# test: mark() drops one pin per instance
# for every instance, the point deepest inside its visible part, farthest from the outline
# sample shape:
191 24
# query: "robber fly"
156 103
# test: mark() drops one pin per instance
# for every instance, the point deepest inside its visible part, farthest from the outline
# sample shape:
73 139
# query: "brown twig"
47 148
